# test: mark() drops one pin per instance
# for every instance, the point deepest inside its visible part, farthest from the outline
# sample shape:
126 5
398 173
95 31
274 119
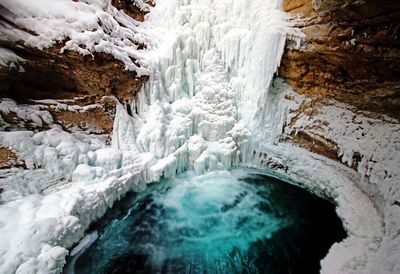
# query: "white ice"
10 60
208 105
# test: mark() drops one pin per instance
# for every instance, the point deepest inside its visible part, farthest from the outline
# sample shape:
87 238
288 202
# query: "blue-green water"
221 222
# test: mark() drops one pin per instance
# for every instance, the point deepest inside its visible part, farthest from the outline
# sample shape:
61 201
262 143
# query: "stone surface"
86 80
96 119
9 159
50 74
132 10
351 52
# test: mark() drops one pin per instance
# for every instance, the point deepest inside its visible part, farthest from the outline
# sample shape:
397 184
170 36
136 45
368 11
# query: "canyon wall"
91 81
345 107
347 72
351 52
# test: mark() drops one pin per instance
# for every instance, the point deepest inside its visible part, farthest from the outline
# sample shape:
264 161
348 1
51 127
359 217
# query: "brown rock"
351 53
290 5
95 120
9 159
317 145
50 74
87 80
298 7
129 8
95 116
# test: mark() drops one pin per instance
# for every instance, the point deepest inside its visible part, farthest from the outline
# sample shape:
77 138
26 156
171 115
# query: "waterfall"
212 65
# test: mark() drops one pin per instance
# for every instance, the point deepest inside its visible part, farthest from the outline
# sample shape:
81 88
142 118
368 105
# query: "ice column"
212 63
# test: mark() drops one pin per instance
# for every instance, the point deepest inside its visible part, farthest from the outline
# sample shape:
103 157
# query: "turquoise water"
220 222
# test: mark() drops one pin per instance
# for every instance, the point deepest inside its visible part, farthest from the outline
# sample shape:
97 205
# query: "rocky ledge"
351 53
347 76
89 81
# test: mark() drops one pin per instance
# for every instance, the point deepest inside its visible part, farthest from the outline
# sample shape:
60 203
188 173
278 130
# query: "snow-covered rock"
207 105
88 26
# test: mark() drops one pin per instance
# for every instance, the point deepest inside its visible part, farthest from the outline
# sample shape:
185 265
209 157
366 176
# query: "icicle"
124 130
212 69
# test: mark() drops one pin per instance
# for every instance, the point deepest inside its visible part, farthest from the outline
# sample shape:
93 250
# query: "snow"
36 115
39 227
331 180
84 243
87 27
376 143
53 155
10 60
210 103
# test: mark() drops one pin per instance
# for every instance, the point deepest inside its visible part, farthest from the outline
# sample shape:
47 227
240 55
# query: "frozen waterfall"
211 102
212 64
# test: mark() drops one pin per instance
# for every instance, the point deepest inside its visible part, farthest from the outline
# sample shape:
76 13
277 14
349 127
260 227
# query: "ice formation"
373 144
208 105
10 60
212 67
87 26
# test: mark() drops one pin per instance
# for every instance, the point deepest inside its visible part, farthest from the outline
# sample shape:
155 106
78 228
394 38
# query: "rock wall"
50 74
351 53
83 80
347 71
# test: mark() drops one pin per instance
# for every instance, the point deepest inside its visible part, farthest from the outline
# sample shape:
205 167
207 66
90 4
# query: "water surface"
220 222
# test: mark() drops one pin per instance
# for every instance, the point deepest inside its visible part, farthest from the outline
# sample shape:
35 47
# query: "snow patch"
10 60
87 27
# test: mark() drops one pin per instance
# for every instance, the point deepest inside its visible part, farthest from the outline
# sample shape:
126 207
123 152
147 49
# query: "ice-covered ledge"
40 228
330 179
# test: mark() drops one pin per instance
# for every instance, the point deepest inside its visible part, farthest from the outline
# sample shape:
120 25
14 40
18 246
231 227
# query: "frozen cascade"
208 104
211 70
212 103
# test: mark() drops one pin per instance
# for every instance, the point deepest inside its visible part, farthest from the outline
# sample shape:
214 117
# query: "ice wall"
212 65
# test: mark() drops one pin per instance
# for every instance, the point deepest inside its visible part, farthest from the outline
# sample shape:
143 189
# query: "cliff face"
351 53
347 74
50 74
76 79
45 151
